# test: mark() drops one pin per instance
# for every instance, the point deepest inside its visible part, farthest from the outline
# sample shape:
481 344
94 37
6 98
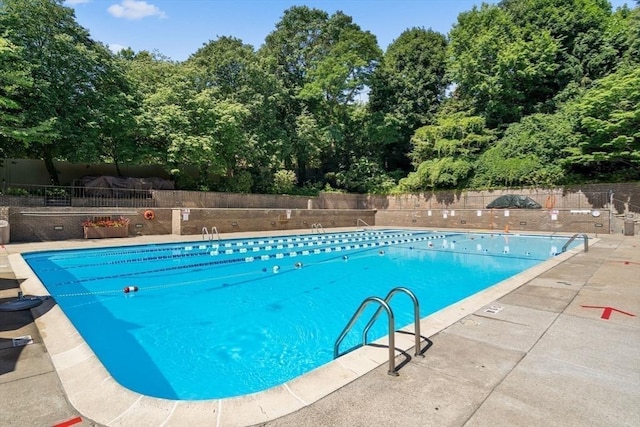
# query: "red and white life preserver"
149 214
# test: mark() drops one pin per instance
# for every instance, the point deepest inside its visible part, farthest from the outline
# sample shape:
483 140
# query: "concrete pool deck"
548 348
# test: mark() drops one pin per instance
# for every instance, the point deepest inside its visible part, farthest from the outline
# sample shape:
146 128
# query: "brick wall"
572 209
47 224
518 220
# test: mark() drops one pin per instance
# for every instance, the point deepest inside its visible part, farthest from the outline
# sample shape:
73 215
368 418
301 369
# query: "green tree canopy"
68 72
407 88
15 82
444 153
529 153
323 63
608 129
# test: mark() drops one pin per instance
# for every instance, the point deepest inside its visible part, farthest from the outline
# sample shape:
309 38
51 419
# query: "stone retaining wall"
46 224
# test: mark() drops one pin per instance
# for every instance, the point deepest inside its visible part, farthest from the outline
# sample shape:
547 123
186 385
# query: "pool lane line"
261 273
265 257
333 238
332 243
104 252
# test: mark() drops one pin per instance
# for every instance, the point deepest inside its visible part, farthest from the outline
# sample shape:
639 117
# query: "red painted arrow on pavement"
606 312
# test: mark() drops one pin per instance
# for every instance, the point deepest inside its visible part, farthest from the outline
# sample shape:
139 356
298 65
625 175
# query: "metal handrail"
586 242
360 220
392 342
416 316
214 228
318 227
205 232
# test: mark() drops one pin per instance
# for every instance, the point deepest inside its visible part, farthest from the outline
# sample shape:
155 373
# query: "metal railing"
75 196
392 342
317 227
83 196
416 316
209 236
586 242
384 305
361 221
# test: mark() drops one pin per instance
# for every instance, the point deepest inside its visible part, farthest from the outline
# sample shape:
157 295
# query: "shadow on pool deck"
559 350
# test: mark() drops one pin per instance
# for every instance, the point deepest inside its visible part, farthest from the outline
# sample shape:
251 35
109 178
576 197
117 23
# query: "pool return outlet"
383 305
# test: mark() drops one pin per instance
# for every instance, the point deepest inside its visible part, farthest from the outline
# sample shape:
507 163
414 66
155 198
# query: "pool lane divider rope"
202 245
362 249
217 252
265 257
261 273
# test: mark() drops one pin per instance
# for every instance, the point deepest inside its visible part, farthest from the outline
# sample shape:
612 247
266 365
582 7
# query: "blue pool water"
214 319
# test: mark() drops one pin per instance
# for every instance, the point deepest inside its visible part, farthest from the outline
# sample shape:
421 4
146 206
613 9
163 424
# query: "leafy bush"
284 181
12 191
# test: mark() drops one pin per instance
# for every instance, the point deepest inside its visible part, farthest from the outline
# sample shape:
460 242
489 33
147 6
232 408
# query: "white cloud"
74 2
115 48
135 9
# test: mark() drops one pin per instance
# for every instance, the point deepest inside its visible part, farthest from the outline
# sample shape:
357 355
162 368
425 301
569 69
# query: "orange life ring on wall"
149 214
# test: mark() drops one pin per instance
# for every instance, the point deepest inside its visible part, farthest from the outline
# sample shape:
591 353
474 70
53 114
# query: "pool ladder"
384 305
586 242
209 237
318 228
359 221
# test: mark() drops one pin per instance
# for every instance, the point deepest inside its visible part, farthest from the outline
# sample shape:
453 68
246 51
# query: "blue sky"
178 28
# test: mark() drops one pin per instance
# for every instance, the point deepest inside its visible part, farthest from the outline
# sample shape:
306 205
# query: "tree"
237 75
287 54
578 26
530 153
68 70
503 74
622 37
323 64
511 59
408 87
608 129
444 153
160 120
15 135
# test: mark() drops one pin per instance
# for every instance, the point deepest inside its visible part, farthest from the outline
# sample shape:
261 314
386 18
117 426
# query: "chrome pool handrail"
586 242
416 316
214 228
205 232
385 306
360 220
318 227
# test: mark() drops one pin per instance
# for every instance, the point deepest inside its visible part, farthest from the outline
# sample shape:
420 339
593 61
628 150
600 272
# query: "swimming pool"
220 319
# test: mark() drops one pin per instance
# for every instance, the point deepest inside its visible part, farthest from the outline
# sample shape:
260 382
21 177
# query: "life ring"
149 214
